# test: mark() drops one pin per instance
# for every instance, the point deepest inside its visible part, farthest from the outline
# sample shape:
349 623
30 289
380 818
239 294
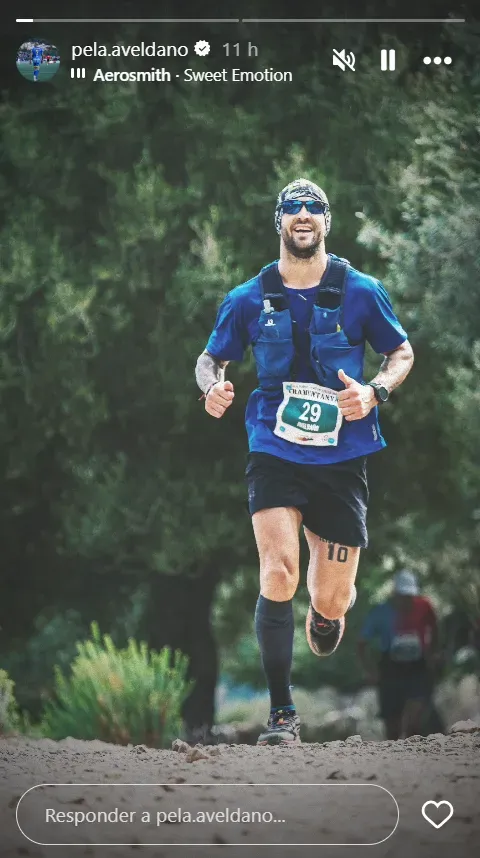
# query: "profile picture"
38 60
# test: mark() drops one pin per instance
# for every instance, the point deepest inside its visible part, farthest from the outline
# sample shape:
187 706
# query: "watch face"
382 393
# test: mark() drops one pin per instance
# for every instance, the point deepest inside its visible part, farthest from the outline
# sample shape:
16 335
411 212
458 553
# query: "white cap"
405 583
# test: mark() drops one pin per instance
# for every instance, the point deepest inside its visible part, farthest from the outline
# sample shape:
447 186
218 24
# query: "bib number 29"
311 412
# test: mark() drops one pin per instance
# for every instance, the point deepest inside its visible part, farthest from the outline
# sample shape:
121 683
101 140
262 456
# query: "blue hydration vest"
330 349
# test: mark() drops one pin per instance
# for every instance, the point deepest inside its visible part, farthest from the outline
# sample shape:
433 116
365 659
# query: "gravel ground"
397 778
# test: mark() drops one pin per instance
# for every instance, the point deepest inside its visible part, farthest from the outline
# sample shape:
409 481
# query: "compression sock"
274 628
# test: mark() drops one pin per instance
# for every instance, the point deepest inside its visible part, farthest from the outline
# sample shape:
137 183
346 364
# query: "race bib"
406 647
309 415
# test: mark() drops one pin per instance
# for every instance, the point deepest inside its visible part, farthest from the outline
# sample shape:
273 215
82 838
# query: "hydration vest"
330 349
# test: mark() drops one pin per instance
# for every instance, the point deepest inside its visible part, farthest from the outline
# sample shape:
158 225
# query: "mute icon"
344 60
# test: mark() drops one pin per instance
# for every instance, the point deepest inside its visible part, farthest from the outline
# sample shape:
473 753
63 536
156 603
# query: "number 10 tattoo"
342 553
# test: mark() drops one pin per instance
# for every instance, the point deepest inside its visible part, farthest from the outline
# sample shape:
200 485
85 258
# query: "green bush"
31 662
9 714
129 695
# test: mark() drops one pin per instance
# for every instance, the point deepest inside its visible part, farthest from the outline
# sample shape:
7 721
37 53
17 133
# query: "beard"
301 252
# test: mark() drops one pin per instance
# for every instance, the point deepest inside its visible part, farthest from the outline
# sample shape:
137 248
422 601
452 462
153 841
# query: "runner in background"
404 630
311 423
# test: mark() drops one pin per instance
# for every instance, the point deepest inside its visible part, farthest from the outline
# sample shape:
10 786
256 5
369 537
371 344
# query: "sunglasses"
292 207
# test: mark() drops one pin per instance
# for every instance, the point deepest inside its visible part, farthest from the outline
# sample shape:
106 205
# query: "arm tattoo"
209 370
395 367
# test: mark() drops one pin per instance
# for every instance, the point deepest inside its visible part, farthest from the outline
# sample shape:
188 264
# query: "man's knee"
332 604
278 579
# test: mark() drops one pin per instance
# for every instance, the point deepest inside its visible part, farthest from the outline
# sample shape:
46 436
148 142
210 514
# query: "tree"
432 264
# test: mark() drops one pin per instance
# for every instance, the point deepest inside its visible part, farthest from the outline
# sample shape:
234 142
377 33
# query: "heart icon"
437 804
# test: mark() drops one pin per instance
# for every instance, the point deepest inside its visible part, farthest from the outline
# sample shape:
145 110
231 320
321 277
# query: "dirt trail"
413 771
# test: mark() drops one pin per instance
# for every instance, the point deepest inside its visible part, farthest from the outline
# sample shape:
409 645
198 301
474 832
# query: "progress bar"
128 20
353 20
241 20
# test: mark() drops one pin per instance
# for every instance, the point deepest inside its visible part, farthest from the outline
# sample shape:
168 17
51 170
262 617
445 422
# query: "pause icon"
387 60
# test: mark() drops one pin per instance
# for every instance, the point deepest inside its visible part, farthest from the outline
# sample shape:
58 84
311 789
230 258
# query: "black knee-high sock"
274 628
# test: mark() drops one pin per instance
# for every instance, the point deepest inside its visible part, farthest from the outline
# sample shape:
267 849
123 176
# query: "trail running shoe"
283 728
324 636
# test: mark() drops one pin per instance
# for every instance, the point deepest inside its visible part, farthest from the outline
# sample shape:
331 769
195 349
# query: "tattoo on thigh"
342 553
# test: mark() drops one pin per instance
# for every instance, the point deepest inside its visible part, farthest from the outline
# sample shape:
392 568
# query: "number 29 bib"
308 414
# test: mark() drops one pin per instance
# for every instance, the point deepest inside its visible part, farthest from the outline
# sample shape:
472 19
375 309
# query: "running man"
405 630
37 55
311 422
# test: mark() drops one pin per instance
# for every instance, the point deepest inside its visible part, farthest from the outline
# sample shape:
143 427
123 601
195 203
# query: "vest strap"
331 291
335 277
273 290
334 281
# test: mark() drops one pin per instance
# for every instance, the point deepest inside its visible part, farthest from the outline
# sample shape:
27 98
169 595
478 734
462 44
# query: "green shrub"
9 714
129 695
31 662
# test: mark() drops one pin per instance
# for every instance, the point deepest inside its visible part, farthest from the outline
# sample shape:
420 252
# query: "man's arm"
209 370
210 375
369 632
357 400
433 653
366 661
395 367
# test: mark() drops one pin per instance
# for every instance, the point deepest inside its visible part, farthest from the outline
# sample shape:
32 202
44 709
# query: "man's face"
303 233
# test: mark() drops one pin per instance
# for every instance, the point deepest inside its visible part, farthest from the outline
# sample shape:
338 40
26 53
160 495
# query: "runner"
311 423
405 628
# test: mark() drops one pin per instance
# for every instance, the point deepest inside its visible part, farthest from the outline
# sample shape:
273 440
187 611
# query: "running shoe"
324 636
283 728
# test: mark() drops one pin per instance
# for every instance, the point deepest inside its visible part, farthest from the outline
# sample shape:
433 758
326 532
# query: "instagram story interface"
239 389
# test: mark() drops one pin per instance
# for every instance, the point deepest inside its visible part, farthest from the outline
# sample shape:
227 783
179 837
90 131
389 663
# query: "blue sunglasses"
292 207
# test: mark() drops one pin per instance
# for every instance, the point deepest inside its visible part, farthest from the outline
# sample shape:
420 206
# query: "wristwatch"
381 393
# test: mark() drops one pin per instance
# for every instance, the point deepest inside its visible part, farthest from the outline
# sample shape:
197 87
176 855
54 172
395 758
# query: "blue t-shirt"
379 626
368 316
37 54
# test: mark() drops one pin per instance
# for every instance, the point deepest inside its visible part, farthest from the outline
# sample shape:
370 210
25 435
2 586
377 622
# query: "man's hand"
357 400
219 398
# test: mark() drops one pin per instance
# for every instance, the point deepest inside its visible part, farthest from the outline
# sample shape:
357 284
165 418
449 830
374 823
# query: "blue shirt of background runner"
368 316
380 625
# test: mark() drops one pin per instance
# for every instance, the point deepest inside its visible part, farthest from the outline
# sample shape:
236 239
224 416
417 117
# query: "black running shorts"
333 499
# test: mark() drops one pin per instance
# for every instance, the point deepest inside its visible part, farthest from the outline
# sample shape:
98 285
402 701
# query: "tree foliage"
432 266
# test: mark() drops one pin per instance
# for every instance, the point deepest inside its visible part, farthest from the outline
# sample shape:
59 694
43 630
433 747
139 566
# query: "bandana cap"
301 188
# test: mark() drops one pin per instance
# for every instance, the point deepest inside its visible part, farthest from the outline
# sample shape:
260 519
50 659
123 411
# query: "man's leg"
276 533
418 700
393 728
391 702
331 577
413 715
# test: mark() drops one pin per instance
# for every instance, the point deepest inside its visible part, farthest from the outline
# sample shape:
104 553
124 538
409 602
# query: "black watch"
381 393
